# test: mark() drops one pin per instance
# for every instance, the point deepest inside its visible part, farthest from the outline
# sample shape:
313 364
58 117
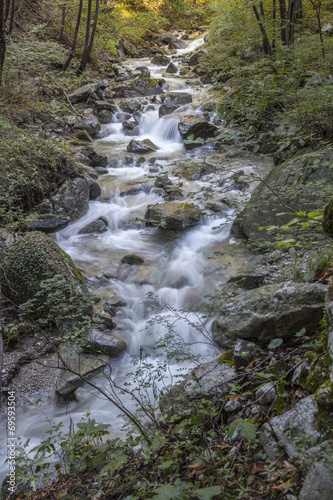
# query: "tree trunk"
11 18
7 10
86 42
93 30
2 38
274 26
77 27
63 18
265 42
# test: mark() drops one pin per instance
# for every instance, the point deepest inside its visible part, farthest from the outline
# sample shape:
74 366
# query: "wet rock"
167 38
72 199
105 116
266 394
97 226
329 313
94 188
105 343
106 105
194 128
144 70
129 125
160 60
49 223
173 215
83 93
83 135
272 311
177 44
90 171
90 123
195 58
244 353
138 88
101 171
174 100
142 147
206 80
171 68
162 181
132 260
207 377
290 429
130 106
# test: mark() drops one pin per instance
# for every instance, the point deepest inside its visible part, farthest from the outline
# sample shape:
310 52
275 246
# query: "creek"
179 270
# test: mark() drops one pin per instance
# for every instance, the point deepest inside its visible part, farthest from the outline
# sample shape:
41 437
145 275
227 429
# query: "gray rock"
197 127
177 44
207 377
83 93
318 471
90 123
244 353
300 183
84 364
144 70
142 147
97 226
106 343
95 158
105 116
248 281
171 68
174 100
168 37
49 223
160 60
130 106
83 135
271 311
266 394
291 428
132 260
232 405
94 189
329 312
110 106
72 199
195 58
90 171
173 215
101 170
138 88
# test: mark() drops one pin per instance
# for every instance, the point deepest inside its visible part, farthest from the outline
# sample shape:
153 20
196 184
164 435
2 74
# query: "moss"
328 218
31 259
227 358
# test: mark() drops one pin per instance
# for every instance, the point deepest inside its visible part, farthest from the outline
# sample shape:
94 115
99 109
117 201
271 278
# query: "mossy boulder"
31 259
302 183
138 88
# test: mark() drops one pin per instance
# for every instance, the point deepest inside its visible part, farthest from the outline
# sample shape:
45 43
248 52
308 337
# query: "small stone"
232 405
244 353
266 394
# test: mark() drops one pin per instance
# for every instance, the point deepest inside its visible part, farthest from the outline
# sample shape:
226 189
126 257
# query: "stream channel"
180 268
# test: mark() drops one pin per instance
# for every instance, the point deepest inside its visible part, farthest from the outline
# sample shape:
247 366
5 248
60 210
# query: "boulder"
72 199
31 259
195 58
130 106
83 93
172 68
289 429
106 342
174 100
97 226
89 123
302 183
106 105
318 472
207 377
49 223
173 215
144 70
167 38
329 313
193 128
105 116
138 88
95 158
266 393
272 311
94 188
160 60
176 44
142 147
85 365
101 171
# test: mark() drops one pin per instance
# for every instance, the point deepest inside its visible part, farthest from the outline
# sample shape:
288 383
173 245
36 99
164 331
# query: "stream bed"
179 269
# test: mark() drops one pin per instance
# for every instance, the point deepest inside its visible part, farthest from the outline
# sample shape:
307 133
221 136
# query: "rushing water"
177 273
